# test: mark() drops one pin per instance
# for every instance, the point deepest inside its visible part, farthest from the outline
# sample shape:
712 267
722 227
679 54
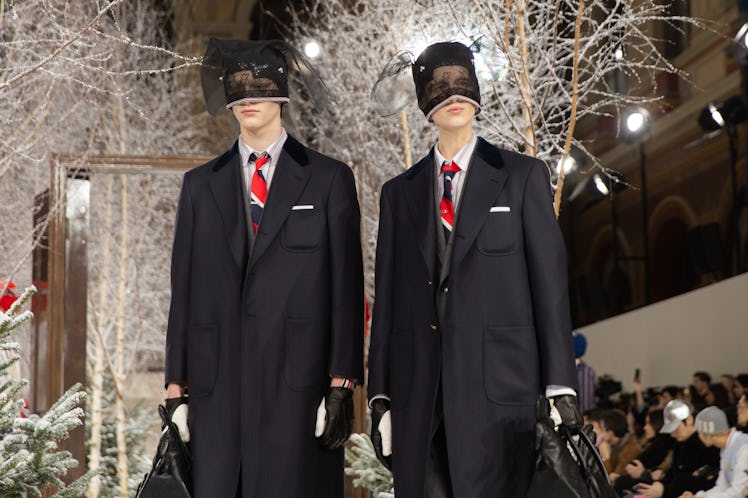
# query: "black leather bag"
171 473
566 466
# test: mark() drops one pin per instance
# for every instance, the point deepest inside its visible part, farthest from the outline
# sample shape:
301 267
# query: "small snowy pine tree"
29 455
366 470
139 425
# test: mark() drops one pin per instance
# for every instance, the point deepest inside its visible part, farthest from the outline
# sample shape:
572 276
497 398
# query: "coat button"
446 289
429 283
433 326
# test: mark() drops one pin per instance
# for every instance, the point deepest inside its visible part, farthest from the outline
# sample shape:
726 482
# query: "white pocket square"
500 209
302 207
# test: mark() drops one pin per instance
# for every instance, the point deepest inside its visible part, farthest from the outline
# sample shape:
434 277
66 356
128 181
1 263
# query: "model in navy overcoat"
257 331
488 318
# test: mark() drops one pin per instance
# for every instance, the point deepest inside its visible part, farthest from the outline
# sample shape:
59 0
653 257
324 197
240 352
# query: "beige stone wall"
705 329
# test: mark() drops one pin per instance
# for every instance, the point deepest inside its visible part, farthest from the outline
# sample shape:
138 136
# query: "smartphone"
637 374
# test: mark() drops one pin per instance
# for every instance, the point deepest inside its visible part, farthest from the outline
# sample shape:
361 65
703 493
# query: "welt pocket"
302 231
499 234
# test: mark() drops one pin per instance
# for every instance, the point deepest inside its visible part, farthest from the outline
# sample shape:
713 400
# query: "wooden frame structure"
67 272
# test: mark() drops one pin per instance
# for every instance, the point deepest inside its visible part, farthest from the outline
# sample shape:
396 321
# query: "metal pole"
614 223
645 221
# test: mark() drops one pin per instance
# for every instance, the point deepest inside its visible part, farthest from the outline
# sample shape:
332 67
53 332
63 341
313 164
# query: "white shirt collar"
246 151
462 158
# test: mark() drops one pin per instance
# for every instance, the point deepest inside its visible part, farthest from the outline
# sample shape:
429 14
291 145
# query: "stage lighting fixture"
569 165
607 182
739 47
718 115
311 49
635 124
600 184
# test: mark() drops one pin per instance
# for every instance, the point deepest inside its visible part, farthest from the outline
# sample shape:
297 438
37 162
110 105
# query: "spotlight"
311 49
569 165
600 184
635 124
739 47
607 182
619 54
718 115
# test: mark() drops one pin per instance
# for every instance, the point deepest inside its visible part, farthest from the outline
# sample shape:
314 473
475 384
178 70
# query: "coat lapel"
290 177
484 183
420 198
225 185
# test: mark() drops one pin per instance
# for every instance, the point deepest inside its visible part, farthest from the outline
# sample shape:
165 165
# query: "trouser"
438 481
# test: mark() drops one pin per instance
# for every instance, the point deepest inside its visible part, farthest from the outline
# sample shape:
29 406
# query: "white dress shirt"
248 169
462 159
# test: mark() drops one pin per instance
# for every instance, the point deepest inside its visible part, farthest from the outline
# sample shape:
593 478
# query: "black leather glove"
379 407
172 404
339 423
170 407
566 404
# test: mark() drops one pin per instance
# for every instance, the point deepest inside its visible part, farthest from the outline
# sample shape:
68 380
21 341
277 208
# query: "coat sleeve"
545 254
383 306
181 257
347 280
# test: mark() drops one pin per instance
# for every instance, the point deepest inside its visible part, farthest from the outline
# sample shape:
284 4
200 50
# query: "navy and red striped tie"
258 188
446 206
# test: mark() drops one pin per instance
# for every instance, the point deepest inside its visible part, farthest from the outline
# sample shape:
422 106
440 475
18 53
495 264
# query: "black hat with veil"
237 71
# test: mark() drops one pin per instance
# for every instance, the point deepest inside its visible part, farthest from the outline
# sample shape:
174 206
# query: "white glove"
179 417
555 416
385 429
321 419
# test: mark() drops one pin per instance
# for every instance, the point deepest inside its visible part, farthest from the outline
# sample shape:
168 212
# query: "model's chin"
251 123
454 122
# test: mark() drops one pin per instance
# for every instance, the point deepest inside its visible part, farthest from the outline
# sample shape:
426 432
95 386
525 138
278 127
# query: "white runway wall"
706 329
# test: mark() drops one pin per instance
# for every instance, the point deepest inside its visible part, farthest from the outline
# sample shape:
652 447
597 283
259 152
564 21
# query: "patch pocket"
203 345
306 354
401 368
499 234
302 231
511 365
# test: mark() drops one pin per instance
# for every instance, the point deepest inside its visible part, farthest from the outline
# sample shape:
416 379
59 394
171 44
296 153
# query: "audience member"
728 381
666 395
650 461
594 417
585 375
740 385
689 455
711 424
701 394
742 418
619 446
721 396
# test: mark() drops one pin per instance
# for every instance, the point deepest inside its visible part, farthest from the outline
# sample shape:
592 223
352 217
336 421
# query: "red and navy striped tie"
258 188
446 206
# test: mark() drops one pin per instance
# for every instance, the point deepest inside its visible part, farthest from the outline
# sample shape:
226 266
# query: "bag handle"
587 472
171 427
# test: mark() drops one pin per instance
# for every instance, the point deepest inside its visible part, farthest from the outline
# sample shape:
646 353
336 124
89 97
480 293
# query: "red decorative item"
25 409
8 297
